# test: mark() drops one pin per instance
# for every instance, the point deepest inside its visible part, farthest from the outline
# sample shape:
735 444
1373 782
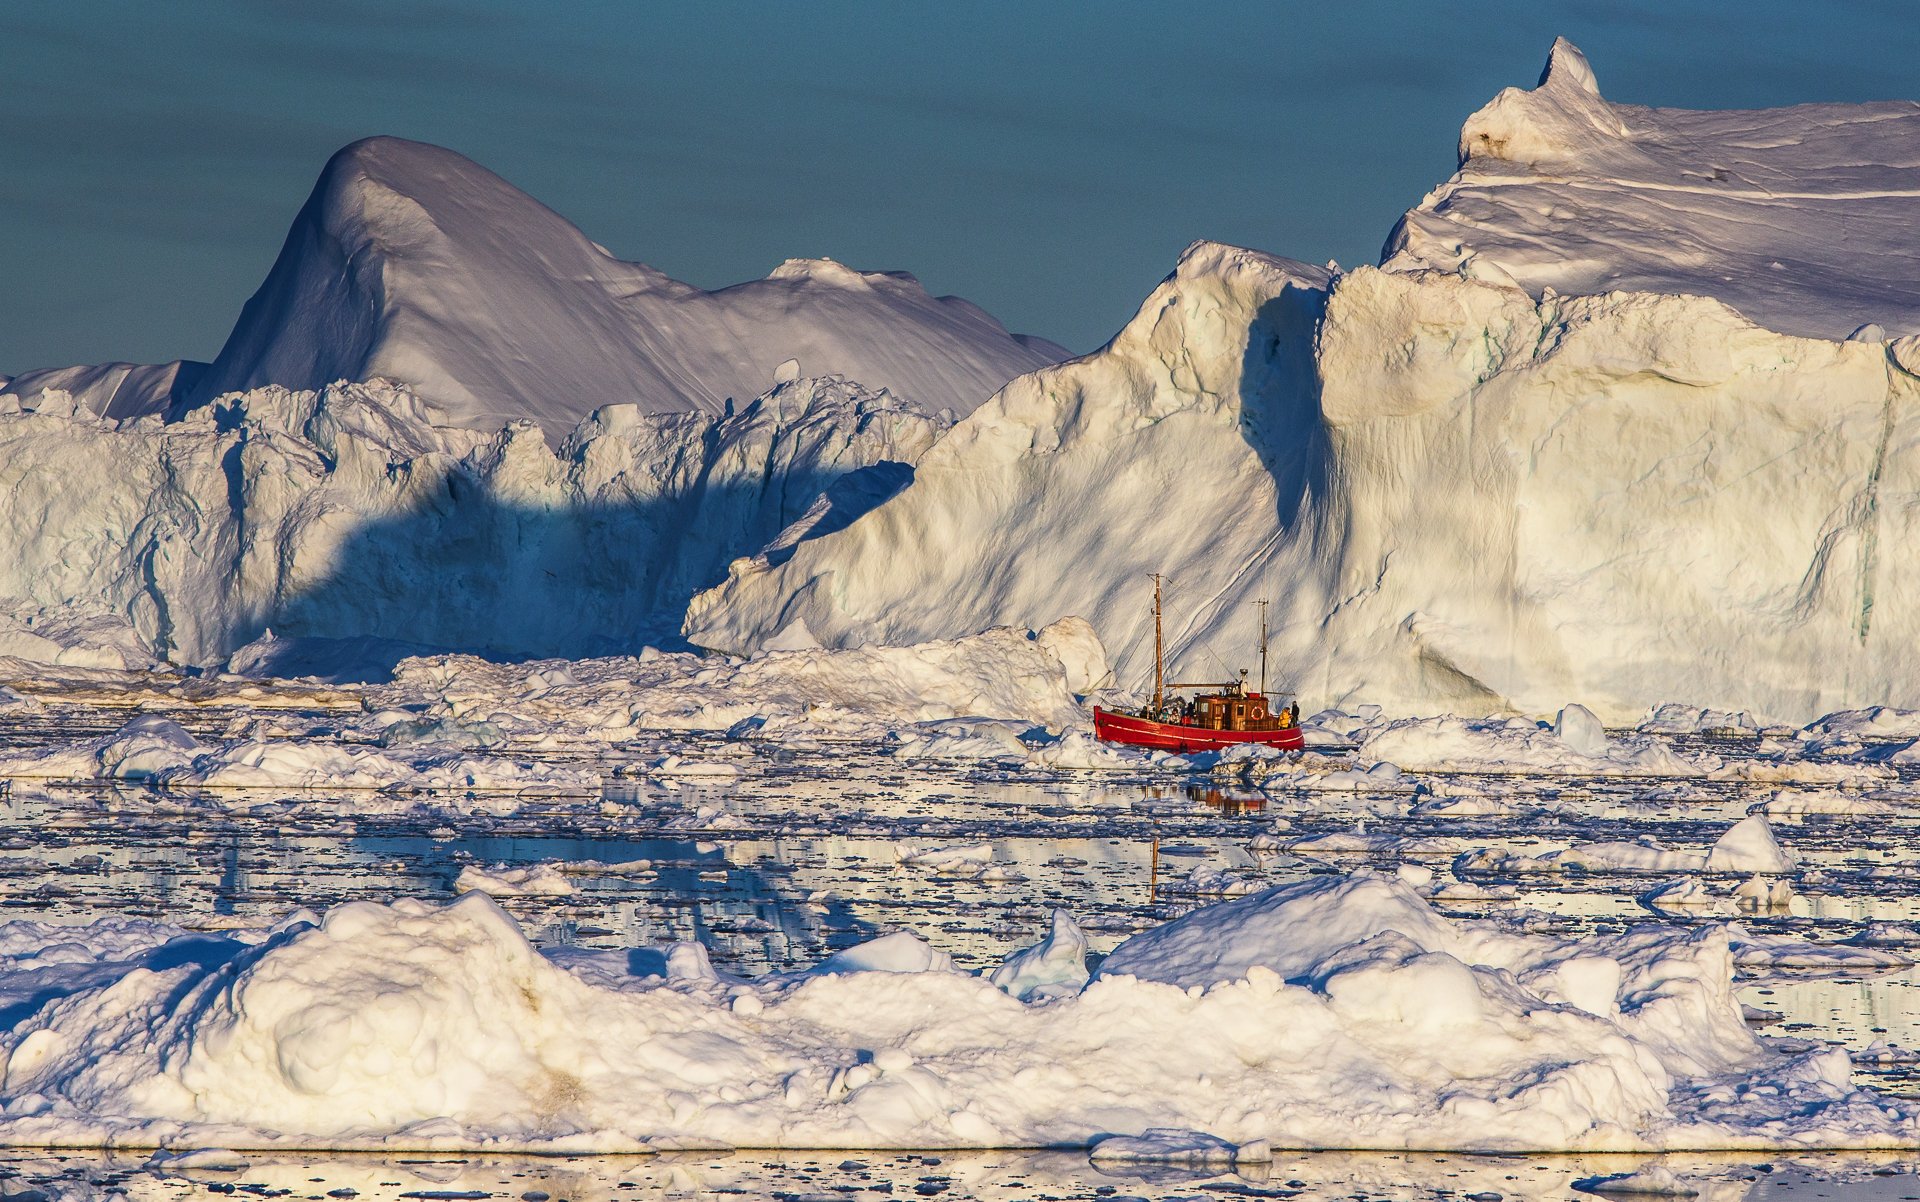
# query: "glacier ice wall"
346 514
1190 444
1457 496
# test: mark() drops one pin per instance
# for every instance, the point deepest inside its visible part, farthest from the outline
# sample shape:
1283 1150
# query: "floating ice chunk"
501 881
688 961
1673 718
1749 846
217 1160
1757 950
902 951
1287 930
441 731
1077 749
974 862
147 746
1577 727
1882 1052
1448 743
1176 1145
1886 934
1687 893
1647 855
1335 1012
1797 802
1653 1181
558 676
1054 967
1760 893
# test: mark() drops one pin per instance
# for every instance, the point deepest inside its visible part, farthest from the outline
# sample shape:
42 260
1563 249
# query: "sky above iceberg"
1048 162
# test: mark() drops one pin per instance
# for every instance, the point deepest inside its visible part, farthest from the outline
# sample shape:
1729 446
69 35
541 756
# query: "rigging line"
1215 603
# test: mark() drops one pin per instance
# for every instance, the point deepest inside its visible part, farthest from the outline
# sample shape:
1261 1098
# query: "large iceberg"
415 263
1459 494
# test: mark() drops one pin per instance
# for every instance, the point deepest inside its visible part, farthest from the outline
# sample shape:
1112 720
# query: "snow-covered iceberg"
414 263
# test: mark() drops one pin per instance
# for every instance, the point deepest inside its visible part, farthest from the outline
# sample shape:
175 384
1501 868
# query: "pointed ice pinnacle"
1567 67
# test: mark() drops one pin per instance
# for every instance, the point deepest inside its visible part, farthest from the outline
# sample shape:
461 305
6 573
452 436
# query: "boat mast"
1159 672
1263 646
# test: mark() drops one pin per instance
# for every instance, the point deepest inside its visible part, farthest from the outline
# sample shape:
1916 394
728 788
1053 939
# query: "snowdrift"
348 515
1460 496
1337 1012
413 263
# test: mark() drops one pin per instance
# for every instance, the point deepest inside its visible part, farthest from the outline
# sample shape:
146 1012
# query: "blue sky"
1047 161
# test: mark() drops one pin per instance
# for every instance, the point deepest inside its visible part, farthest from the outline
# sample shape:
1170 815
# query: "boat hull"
1171 736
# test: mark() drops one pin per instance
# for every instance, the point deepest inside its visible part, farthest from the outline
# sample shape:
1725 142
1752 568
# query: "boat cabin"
1235 709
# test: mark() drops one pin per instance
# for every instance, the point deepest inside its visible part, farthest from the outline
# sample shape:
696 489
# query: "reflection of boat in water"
1224 799
1230 715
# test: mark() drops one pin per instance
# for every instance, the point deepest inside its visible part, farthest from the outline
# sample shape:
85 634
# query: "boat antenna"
1263 645
1159 672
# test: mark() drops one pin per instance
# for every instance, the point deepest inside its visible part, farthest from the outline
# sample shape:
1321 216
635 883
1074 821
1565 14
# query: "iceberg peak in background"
413 263
1801 218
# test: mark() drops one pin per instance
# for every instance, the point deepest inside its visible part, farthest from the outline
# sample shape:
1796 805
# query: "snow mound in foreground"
414 263
1338 1012
1800 218
1035 677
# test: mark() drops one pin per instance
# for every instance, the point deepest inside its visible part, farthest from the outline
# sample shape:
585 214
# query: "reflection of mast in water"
232 880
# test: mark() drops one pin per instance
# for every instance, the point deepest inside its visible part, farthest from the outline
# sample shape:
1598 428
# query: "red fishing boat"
1229 715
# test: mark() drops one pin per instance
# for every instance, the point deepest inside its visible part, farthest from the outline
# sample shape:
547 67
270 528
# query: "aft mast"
1159 671
1263 646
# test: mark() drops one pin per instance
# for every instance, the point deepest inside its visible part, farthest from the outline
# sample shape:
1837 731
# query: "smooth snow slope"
413 263
1801 218
110 390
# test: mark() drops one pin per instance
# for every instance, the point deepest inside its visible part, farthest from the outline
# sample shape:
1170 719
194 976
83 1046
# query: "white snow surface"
1004 674
413 263
1336 1012
1800 218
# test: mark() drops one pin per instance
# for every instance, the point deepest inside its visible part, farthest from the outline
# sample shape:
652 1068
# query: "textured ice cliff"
1457 493
345 514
